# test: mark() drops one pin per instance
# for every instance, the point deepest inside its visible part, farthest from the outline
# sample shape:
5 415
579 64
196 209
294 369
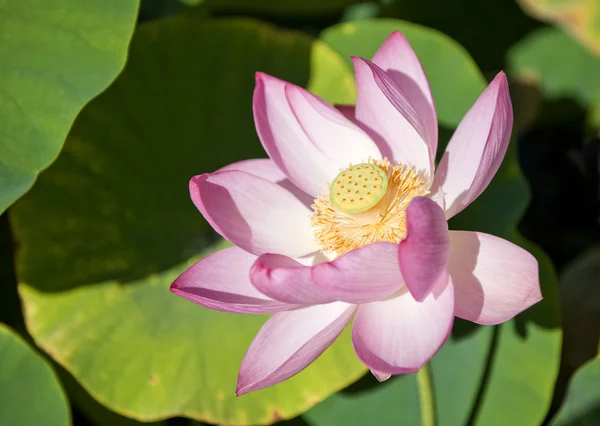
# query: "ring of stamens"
340 226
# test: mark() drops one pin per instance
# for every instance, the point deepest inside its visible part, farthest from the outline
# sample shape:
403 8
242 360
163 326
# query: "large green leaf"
30 393
474 369
580 17
54 57
110 225
392 403
582 406
95 413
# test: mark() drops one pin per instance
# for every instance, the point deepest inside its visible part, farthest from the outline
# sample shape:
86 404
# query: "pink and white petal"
362 275
477 148
254 213
290 341
381 377
300 132
221 281
389 118
261 167
286 280
267 169
400 335
398 59
494 279
329 130
424 254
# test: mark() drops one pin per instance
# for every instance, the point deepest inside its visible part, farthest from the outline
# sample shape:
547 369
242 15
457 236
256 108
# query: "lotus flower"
347 219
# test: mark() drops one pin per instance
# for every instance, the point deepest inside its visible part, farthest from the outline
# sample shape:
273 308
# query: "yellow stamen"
340 226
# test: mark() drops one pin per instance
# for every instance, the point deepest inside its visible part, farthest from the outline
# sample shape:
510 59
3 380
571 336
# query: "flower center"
366 204
358 188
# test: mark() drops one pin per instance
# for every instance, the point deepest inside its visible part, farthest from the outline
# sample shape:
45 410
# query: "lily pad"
392 403
580 17
473 370
30 393
54 57
110 225
560 65
582 406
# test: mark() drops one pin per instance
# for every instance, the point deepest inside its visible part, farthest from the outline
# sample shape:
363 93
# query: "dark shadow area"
369 383
365 383
308 23
589 418
10 305
463 329
479 26
560 163
521 326
580 296
296 421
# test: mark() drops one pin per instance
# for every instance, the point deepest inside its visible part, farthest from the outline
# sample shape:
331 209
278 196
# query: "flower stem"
426 396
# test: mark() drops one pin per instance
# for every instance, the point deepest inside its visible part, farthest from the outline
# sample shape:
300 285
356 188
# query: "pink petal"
362 275
308 139
477 148
398 59
391 119
267 169
329 130
400 335
286 280
290 341
254 213
424 254
221 281
382 377
494 279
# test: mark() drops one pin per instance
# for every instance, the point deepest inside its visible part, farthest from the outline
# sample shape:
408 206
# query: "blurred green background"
107 108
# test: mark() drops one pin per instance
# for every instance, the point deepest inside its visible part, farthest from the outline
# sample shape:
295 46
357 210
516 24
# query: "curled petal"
477 148
398 59
362 275
400 335
290 341
286 280
424 253
391 120
494 279
308 139
254 213
221 281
